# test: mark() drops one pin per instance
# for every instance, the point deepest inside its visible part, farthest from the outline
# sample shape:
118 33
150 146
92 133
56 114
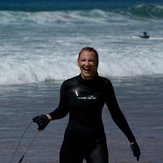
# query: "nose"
87 63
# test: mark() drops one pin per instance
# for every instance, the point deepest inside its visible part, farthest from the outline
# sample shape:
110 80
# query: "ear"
95 69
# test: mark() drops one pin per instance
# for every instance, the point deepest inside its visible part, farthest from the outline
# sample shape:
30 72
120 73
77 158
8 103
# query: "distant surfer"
145 35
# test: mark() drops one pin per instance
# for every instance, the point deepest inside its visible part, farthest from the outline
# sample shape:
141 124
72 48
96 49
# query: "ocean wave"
77 16
147 11
38 69
58 17
49 17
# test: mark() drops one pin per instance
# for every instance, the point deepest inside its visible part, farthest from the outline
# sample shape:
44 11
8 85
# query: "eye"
91 60
83 60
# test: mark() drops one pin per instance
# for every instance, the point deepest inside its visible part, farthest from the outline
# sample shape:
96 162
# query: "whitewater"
43 45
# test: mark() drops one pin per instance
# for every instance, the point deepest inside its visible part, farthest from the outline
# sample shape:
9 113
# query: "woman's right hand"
42 121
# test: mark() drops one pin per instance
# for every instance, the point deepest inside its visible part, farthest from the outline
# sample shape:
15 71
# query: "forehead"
88 54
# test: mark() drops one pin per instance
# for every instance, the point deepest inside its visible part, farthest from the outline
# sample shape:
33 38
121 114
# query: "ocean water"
39 45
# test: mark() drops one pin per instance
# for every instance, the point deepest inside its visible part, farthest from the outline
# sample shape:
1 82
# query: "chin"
87 77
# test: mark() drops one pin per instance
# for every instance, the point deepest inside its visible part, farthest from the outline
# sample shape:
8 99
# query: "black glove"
136 150
42 121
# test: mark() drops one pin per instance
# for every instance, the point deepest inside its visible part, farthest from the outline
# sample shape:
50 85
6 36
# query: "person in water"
145 35
83 97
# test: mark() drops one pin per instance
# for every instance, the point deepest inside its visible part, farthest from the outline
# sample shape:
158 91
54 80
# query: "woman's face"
88 64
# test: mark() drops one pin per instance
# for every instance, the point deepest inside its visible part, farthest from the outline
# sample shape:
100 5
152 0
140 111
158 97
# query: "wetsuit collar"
83 81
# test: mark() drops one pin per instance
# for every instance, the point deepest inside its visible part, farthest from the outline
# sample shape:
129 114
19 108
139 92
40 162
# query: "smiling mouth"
87 70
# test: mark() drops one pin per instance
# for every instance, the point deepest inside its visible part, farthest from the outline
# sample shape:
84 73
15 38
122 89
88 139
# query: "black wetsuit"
84 136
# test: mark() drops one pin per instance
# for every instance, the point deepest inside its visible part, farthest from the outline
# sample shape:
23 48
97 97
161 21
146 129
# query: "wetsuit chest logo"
89 97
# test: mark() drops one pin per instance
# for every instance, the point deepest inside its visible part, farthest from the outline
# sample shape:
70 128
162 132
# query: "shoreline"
140 100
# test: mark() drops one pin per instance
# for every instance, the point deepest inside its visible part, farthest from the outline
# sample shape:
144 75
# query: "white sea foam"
36 68
40 46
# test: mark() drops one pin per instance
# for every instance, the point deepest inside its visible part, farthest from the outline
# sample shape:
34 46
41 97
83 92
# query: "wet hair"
90 49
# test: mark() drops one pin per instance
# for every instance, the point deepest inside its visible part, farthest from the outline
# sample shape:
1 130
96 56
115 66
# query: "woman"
83 97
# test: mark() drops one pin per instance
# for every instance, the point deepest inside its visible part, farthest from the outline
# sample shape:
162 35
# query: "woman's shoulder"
105 79
107 84
70 81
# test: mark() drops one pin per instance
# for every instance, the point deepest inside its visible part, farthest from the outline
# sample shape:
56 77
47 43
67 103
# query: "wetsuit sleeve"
116 113
63 107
